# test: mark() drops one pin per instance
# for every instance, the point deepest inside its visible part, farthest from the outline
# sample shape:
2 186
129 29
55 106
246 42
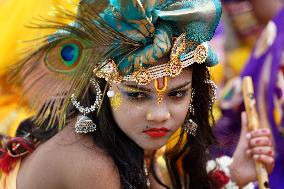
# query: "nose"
158 113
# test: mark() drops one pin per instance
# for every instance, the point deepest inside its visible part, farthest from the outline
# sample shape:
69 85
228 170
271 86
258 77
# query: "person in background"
112 88
265 65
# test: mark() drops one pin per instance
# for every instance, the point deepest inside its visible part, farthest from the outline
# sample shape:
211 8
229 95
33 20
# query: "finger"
244 122
266 160
268 151
260 141
259 133
244 128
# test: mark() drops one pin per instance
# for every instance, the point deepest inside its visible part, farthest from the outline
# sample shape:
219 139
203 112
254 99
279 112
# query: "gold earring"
191 127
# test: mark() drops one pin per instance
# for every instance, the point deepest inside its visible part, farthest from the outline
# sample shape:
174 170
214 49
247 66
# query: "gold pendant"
161 89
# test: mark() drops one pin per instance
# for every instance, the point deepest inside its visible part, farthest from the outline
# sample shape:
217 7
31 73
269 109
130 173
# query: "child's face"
139 115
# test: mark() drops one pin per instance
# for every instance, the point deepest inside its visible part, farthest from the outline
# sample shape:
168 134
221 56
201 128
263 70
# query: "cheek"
179 113
127 115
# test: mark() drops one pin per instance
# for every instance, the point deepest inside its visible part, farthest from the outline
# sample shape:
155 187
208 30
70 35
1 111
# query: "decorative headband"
178 60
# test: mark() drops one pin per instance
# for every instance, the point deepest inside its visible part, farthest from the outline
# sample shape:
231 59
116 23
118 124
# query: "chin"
152 145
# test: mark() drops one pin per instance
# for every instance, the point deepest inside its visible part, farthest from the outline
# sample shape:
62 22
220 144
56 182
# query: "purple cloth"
227 130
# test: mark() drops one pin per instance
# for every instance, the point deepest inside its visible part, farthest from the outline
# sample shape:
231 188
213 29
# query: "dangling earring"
213 92
84 124
191 108
190 126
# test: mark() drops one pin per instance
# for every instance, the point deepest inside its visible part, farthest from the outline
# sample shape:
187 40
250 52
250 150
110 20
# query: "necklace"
147 174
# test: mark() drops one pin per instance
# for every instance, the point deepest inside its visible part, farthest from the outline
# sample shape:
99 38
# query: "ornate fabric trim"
178 61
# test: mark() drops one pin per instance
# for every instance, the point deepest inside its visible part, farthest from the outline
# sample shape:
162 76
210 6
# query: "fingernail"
248 136
270 152
257 141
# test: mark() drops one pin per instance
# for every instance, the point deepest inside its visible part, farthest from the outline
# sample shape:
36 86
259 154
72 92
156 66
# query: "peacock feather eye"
70 53
65 56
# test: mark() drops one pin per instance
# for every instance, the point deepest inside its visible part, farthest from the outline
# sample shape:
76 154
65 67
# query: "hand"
255 145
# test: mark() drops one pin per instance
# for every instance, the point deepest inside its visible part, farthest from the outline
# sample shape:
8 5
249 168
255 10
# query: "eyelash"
182 94
140 96
136 96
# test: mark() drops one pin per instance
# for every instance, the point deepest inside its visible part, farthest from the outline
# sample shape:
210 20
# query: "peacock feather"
64 62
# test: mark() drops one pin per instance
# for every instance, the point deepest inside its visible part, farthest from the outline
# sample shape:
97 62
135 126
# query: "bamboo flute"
253 124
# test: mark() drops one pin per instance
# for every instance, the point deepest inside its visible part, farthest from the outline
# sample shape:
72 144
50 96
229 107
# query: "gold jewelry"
213 91
178 60
161 90
146 174
190 127
109 72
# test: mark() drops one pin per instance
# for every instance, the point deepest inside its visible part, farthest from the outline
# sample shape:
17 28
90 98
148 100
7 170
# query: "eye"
178 94
138 96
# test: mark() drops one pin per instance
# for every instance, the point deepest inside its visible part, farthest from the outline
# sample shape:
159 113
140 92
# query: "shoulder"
89 166
69 161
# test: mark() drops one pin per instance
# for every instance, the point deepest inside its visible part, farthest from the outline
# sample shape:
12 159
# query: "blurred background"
15 18
249 41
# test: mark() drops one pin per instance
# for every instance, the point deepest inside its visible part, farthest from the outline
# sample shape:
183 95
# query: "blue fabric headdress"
153 24
134 34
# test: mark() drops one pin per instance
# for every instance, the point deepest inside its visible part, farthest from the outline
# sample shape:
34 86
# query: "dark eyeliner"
183 93
134 95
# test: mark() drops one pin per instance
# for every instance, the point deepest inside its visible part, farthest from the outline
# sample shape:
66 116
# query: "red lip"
156 132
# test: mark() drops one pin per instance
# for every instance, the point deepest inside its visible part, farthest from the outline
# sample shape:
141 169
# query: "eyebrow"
184 85
149 90
137 87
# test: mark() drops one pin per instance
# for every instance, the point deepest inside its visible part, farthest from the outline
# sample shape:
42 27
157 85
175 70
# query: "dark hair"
129 157
193 156
196 156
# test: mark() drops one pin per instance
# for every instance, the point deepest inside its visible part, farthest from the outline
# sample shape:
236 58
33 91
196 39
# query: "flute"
253 124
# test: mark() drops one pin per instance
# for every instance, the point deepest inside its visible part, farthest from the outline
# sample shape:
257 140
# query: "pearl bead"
110 94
